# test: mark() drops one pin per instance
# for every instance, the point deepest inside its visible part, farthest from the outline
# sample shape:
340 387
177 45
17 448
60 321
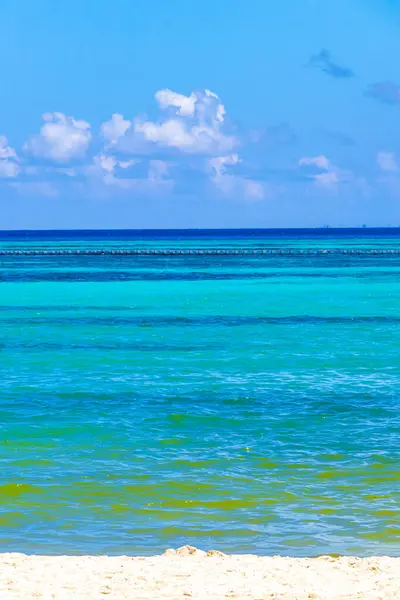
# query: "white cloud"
103 173
184 104
174 134
236 186
169 133
9 166
254 190
233 185
197 139
158 169
107 163
331 176
103 168
61 138
219 163
114 129
210 107
318 161
190 124
125 164
190 138
206 105
387 162
327 179
196 127
5 150
9 169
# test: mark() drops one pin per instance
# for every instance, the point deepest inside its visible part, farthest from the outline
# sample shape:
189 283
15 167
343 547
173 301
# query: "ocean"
235 390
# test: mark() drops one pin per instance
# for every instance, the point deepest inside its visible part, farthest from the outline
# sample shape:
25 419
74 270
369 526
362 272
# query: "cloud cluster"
192 124
190 146
191 137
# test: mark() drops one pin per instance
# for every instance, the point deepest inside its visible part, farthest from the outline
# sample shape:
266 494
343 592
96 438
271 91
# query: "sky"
155 114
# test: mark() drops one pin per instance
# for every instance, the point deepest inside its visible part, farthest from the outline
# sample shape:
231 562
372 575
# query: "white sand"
188 574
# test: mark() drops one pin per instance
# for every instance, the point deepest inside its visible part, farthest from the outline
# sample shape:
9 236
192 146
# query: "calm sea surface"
244 402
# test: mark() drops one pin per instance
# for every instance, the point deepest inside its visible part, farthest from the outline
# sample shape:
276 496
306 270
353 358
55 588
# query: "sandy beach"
189 573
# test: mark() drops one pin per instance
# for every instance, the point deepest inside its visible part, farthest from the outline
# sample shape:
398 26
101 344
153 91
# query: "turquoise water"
248 403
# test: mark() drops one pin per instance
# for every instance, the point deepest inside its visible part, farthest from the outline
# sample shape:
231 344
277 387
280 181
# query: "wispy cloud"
190 145
42 189
387 162
324 61
318 161
323 173
384 91
227 183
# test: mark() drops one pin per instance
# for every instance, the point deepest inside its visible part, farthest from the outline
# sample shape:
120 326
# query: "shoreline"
191 573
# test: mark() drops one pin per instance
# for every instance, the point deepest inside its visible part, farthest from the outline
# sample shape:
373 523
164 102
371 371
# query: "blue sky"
207 114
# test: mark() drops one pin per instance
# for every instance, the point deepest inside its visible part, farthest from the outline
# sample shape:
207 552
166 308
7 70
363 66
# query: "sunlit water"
244 403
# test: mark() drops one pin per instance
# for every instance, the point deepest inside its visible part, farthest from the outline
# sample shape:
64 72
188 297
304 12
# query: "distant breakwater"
199 251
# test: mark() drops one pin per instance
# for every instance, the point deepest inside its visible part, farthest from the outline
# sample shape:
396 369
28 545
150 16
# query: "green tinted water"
245 403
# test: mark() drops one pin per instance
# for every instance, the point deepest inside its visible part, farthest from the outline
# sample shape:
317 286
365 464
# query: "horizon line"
116 229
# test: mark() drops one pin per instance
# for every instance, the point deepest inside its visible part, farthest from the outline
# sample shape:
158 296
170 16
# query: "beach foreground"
191 573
